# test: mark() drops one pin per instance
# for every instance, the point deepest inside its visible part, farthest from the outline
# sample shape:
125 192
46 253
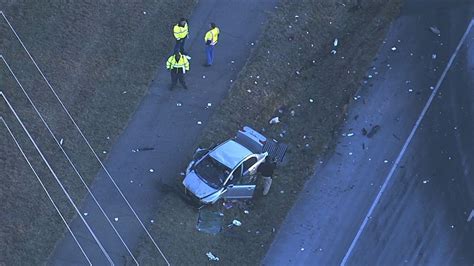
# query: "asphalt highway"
422 211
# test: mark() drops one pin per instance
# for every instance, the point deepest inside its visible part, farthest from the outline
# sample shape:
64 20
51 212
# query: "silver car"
227 171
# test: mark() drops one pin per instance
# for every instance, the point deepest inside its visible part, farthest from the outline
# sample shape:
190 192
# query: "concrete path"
419 213
168 123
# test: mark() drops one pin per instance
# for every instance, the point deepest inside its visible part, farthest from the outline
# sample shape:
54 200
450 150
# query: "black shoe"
207 65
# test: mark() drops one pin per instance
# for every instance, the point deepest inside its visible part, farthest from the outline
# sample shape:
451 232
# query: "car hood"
199 188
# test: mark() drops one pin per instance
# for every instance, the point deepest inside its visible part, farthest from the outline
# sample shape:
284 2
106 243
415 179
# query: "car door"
240 187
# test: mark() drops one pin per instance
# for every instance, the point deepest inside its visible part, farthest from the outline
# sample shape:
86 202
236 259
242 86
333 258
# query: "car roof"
230 153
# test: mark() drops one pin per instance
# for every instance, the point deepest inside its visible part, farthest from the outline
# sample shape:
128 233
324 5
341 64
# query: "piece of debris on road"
435 30
212 256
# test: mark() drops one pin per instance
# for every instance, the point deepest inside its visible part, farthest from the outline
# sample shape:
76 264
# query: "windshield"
212 172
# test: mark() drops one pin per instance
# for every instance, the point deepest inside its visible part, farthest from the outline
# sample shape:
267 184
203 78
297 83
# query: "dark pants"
177 74
210 54
179 46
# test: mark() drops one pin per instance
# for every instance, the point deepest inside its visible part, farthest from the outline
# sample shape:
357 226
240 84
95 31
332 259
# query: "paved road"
170 130
423 215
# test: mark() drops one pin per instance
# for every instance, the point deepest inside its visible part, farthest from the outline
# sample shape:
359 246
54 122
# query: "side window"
236 175
249 163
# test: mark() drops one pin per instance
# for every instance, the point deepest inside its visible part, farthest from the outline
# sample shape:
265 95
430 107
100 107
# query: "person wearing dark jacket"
266 170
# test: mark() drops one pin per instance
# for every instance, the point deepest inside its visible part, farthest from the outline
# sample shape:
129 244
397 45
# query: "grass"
291 71
100 57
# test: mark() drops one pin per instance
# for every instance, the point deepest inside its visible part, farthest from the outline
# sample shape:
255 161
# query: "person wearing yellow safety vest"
211 38
177 64
180 32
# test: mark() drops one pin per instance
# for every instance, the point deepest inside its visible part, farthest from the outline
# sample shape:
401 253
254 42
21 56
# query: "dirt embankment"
291 74
100 56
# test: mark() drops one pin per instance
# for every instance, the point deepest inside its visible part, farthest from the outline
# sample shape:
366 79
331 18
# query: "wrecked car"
230 169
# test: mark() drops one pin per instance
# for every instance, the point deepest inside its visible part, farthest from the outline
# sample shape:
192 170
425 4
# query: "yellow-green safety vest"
183 63
180 32
212 35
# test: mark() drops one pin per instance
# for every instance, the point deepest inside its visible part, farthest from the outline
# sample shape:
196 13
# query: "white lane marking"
86 140
471 216
57 179
407 142
45 190
69 160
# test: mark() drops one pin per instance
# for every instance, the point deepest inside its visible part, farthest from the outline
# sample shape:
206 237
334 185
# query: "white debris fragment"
131 181
452 226
333 51
182 174
302 249
203 76
199 122
431 88
275 120
252 44
104 152
246 212
144 12
212 256
152 221
435 30
433 56
249 91
369 76
107 137
236 222
471 216
179 104
61 142
297 72
350 153
385 161
336 42
296 16
410 90
85 214
116 219
151 170
426 181
350 134
134 150
124 92
232 62
209 104
394 48
311 100
292 112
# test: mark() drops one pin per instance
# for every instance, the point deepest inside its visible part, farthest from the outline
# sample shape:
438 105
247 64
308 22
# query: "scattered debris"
85 214
199 122
302 249
116 219
350 134
210 255
152 221
435 30
275 120
107 137
385 161
336 42
182 174
311 100
104 152
426 181
373 131
209 221
292 112
144 12
333 51
227 205
410 90
209 104
151 170
203 76
124 92
247 212
236 222
144 149
471 216
61 142
433 56
394 48
452 226
179 104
